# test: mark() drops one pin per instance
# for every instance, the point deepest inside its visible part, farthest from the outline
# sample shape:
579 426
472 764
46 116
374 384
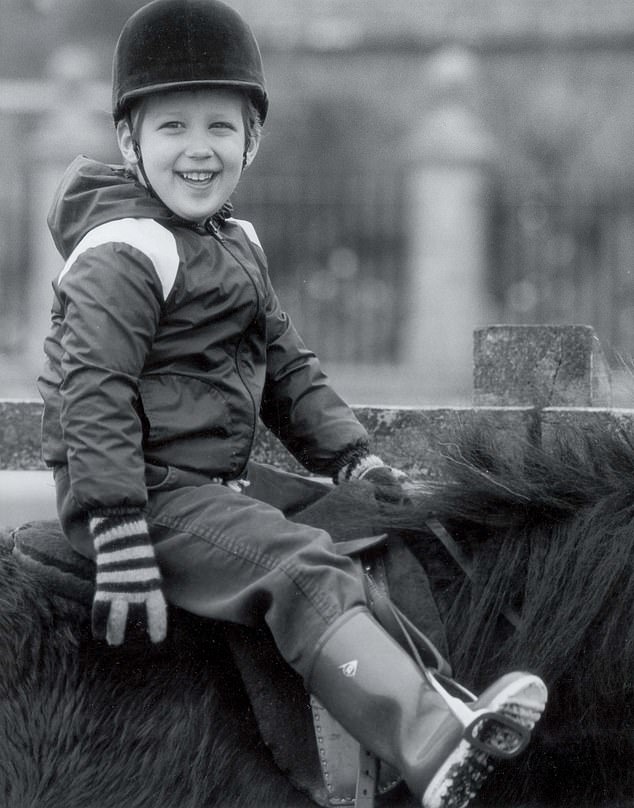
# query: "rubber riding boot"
442 746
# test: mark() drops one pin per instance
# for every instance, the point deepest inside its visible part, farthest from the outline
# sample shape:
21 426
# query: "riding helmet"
183 44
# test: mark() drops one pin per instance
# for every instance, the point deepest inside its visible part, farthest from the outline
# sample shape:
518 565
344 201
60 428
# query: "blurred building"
427 167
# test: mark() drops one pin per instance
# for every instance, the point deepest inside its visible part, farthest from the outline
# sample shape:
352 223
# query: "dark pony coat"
544 583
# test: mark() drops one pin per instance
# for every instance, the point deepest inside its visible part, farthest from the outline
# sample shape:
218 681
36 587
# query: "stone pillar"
448 224
71 126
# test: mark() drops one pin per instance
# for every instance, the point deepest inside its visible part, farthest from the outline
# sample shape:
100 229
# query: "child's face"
193 146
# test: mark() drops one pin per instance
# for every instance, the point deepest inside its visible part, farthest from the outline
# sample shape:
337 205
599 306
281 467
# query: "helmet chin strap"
141 167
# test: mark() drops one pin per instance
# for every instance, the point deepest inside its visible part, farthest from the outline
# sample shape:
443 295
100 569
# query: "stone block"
540 366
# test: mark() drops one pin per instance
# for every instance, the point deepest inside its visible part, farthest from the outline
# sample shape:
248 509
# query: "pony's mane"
546 529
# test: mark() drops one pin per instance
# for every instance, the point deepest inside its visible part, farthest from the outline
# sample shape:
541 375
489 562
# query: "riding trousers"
232 555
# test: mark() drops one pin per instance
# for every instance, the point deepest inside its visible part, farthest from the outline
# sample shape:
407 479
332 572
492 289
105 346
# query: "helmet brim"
258 96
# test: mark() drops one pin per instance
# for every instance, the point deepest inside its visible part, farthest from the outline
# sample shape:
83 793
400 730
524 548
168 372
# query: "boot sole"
521 698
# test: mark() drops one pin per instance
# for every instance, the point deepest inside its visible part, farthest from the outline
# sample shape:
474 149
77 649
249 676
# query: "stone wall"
529 382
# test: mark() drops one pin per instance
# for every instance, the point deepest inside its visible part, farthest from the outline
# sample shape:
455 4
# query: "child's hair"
252 119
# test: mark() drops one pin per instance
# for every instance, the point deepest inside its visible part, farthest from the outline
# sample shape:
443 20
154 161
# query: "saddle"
316 754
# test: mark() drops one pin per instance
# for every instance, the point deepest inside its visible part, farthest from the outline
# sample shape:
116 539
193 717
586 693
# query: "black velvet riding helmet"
184 44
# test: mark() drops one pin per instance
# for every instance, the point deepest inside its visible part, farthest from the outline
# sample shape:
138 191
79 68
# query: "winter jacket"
167 343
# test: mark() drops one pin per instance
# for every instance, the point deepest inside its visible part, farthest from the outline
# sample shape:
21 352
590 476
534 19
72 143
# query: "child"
167 343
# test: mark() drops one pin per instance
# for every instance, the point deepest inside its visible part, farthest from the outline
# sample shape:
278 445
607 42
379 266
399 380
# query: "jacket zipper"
213 229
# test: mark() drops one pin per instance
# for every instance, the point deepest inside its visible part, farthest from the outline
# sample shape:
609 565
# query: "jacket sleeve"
111 299
299 405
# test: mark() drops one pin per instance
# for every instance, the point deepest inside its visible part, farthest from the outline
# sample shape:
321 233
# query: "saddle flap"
338 755
280 705
340 759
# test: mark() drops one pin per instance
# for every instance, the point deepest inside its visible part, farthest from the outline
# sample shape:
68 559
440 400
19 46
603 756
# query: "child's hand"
128 601
391 484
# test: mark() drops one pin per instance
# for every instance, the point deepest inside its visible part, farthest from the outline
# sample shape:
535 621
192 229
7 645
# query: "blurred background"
429 166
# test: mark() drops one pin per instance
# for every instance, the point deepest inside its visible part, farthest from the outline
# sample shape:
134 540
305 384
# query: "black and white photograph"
316 404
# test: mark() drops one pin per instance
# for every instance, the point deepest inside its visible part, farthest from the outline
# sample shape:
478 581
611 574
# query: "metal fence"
336 251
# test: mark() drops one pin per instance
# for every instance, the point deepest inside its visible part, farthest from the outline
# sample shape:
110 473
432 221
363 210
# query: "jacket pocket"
177 407
156 477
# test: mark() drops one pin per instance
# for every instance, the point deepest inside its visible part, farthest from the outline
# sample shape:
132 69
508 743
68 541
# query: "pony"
508 563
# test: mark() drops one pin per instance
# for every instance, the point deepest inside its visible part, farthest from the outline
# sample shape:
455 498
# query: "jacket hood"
92 193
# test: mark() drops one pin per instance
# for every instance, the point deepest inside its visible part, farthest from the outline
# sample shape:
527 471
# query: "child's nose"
199 147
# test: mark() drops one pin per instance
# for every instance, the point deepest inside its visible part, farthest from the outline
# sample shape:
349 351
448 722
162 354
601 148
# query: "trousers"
232 555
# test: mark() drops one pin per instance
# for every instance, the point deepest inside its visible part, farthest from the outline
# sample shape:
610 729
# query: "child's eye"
222 125
171 125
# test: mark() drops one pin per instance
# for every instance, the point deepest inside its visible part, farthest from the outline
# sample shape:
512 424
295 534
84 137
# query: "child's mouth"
197 178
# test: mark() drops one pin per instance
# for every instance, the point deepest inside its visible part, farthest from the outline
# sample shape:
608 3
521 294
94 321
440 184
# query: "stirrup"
483 727
496 734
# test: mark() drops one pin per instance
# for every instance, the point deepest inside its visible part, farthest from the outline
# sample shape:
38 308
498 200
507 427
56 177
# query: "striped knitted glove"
358 467
128 592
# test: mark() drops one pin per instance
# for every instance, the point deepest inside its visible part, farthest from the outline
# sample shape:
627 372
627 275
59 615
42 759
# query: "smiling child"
168 344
